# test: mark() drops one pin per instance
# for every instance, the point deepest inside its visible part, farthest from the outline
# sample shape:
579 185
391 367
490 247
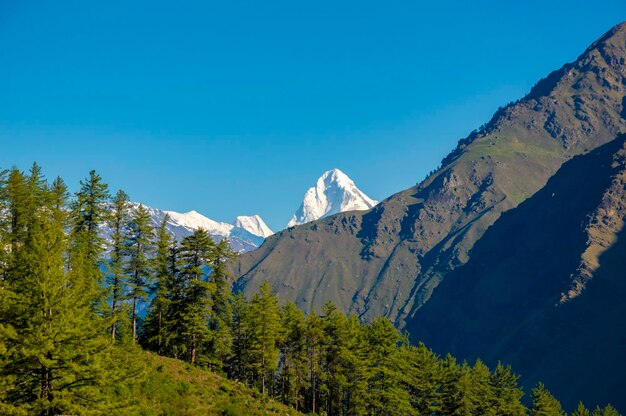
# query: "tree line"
74 308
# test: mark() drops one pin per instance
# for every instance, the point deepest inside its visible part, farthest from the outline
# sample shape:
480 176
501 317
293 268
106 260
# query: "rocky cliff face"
387 261
545 288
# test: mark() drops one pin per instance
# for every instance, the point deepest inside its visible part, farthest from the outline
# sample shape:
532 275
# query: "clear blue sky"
235 108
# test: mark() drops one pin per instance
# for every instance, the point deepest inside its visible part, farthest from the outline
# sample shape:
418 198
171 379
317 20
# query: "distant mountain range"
247 233
335 192
512 273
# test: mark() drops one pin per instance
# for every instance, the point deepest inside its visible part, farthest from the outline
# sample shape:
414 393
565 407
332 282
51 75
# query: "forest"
77 312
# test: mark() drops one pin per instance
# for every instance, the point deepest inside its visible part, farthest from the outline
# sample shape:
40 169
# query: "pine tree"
314 335
116 267
334 344
238 362
544 403
58 200
610 411
221 318
424 378
154 328
505 392
356 368
88 214
264 333
139 247
174 343
581 410
293 361
466 392
480 389
17 205
449 374
196 255
388 394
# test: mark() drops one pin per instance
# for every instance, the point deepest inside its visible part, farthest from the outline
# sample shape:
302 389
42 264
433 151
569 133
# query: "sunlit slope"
388 260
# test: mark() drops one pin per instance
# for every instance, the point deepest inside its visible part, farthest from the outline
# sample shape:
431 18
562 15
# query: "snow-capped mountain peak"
334 192
194 220
253 224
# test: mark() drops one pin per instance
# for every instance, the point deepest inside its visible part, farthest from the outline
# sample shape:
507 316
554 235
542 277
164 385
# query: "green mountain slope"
545 288
387 261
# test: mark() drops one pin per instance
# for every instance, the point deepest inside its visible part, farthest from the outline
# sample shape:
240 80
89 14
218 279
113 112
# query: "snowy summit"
334 192
254 224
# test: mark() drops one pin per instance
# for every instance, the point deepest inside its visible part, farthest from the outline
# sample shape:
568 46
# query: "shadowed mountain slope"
545 288
388 260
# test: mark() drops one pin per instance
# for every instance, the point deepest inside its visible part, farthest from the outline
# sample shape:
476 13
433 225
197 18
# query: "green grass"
172 387
504 144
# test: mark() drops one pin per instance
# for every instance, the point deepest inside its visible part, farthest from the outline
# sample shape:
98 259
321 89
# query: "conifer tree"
506 393
356 367
16 194
221 340
481 389
334 344
264 333
194 306
544 403
154 329
610 411
581 410
88 214
468 400
424 378
58 200
238 362
173 343
386 384
116 267
314 336
293 360
139 247
449 373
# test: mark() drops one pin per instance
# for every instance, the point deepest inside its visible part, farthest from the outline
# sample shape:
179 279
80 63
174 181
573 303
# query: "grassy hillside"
173 387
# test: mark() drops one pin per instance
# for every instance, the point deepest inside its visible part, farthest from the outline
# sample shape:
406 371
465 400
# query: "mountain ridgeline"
387 261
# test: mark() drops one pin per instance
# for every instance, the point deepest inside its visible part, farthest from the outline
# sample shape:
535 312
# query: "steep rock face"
333 193
387 261
545 288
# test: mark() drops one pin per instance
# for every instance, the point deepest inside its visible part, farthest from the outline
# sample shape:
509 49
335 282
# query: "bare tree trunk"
193 349
134 318
263 371
113 308
160 330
